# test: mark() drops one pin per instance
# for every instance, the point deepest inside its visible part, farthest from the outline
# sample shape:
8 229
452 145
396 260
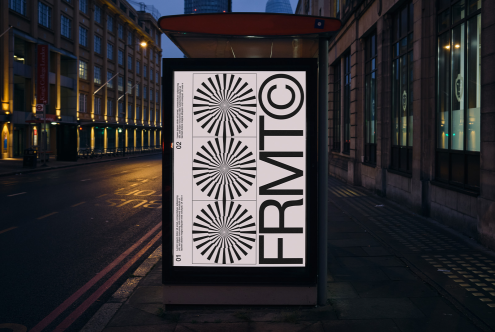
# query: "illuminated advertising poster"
239 197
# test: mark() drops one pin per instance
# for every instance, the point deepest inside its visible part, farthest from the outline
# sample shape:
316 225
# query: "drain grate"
474 272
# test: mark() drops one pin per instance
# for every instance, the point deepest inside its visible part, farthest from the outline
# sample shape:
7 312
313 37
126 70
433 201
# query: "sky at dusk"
176 7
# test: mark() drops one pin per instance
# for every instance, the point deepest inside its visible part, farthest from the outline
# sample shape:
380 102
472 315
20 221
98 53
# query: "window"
18 6
109 23
151 74
97 45
110 51
370 101
137 90
129 38
83 36
120 31
44 15
97 78
109 76
144 114
459 94
138 67
157 96
83 99
65 24
129 111
83 70
145 92
151 54
157 59
157 76
145 70
97 105
347 104
97 14
121 58
129 62
83 6
121 109
129 86
402 91
121 84
151 94
138 109
109 107
336 107
337 8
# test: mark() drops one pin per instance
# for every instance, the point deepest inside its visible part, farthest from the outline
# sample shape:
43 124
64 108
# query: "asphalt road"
60 231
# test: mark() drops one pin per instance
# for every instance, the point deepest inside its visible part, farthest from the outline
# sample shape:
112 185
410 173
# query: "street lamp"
126 66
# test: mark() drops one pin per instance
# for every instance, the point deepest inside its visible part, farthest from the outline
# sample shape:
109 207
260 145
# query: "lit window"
145 91
129 38
97 105
83 70
83 103
18 6
129 86
151 94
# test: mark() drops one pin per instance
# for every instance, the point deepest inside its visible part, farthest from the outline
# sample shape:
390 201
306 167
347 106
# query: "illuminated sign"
42 75
241 173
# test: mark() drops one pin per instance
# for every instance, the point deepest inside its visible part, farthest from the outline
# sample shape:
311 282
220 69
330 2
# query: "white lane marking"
16 194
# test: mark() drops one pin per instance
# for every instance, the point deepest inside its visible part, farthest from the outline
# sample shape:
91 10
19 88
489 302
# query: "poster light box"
240 177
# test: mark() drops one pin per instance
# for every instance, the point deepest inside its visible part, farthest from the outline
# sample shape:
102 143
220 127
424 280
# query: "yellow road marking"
101 195
78 204
8 229
47 215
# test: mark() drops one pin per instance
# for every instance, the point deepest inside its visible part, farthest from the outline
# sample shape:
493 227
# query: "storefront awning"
248 35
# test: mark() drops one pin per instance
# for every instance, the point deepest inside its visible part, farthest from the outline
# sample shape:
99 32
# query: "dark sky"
175 7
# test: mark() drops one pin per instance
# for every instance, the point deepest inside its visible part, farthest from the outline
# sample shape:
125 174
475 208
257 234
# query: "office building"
278 6
207 6
90 42
411 105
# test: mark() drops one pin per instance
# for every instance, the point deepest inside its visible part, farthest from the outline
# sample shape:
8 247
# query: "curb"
75 165
105 314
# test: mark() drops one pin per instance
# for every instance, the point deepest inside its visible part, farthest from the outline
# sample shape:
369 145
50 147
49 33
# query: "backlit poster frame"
188 212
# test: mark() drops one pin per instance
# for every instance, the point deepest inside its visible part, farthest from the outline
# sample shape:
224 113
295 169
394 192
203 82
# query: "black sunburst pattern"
224 168
224 105
224 234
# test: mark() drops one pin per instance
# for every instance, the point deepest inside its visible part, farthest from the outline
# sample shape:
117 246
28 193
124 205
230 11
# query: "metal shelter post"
322 169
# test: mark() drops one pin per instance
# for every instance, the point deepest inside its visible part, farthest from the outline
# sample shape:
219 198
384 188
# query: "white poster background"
191 136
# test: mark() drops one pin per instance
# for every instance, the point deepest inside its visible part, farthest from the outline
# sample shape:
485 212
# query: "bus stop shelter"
231 36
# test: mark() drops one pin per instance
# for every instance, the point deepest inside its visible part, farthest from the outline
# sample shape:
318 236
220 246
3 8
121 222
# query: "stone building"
412 105
90 42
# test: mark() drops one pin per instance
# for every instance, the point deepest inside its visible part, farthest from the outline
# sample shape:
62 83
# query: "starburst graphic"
224 233
224 168
224 105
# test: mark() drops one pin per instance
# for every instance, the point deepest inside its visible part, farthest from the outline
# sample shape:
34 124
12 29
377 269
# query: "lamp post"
126 66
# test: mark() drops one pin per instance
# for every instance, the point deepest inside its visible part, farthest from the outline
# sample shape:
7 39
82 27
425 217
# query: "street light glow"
143 44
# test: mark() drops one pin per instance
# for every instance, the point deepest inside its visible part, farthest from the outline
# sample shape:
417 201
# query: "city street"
66 234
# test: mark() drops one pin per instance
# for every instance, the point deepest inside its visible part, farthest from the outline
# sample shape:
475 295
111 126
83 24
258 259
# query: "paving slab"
399 273
341 290
372 261
353 243
402 288
347 251
435 324
369 325
129 315
373 308
345 273
376 251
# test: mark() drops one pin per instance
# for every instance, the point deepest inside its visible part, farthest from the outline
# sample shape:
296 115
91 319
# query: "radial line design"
224 168
224 105
224 232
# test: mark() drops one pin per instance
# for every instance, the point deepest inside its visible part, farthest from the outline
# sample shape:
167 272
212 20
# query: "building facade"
278 6
90 42
411 105
207 6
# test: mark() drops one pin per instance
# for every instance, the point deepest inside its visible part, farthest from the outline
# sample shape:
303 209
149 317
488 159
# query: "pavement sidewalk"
13 166
389 270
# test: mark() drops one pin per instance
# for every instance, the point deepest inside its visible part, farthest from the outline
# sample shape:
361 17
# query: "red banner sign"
43 83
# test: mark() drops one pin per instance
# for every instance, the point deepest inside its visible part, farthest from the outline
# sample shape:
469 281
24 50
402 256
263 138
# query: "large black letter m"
265 190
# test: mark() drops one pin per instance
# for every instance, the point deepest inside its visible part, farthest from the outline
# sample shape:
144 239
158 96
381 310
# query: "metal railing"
89 153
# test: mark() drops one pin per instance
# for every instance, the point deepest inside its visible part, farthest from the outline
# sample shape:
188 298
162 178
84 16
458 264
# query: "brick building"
90 41
411 105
